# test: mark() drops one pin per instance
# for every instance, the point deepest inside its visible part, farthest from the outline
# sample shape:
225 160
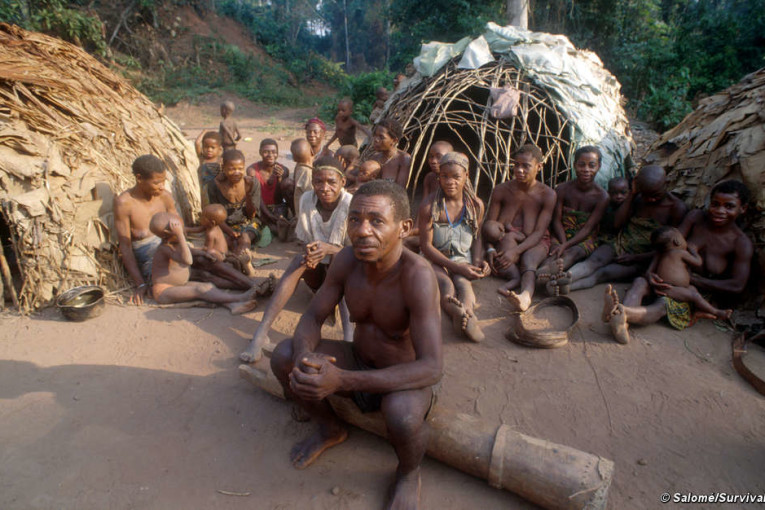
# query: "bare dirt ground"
143 408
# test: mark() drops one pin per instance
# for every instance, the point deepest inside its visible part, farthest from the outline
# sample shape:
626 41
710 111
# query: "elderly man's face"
372 228
327 184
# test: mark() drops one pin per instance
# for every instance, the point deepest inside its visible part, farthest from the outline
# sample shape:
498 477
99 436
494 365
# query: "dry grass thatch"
69 131
454 105
724 138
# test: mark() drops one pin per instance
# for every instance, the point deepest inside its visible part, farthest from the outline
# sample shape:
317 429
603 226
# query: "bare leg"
284 290
238 303
513 276
530 260
602 255
639 289
466 296
404 413
704 307
622 315
331 431
609 273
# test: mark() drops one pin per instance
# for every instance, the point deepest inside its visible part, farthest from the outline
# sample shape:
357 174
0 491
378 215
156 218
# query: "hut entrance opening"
456 106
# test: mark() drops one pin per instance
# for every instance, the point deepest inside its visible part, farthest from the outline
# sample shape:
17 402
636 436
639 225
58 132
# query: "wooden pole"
550 475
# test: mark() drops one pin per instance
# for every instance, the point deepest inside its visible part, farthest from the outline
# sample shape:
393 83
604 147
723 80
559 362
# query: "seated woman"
322 229
726 253
450 238
240 195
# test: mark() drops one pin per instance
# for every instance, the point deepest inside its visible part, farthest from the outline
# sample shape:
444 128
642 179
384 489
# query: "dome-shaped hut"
506 88
69 132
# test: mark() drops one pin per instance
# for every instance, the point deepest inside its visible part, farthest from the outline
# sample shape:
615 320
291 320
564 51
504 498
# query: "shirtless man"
133 210
526 205
726 252
395 163
395 358
648 206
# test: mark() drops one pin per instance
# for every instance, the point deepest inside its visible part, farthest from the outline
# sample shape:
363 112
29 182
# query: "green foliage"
67 20
361 89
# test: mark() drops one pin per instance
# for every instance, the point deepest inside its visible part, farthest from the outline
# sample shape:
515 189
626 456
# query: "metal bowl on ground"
81 303
532 328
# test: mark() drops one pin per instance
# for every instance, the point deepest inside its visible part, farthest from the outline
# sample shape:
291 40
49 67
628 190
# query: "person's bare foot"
471 328
282 229
304 453
723 315
610 302
454 309
551 287
619 325
241 307
519 302
254 351
265 287
505 289
405 492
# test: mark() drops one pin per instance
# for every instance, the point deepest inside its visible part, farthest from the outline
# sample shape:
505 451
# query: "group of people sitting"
388 274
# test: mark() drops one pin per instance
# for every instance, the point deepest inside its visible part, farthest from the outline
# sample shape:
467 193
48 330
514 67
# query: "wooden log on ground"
550 475
8 280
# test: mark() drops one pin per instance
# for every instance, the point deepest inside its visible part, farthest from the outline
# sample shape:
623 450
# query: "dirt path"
142 408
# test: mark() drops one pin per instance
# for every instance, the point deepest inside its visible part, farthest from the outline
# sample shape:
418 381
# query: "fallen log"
550 475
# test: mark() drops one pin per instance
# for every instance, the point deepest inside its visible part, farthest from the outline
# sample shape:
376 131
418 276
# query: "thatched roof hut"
724 138
69 131
563 99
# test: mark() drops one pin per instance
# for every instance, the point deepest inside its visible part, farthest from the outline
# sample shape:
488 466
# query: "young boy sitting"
368 171
270 174
437 151
229 132
171 268
345 125
670 264
213 216
209 147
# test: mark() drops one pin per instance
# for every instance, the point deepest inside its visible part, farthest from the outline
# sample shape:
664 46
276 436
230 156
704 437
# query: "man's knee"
405 415
281 359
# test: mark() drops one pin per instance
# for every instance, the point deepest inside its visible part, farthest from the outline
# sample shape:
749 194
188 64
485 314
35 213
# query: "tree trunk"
518 13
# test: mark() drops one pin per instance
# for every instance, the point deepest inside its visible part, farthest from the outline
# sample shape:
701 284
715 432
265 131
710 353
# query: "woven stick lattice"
454 105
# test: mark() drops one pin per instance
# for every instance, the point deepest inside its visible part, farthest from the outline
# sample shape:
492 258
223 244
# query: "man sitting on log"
395 358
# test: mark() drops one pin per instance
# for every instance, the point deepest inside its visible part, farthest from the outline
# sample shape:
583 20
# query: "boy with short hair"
381 96
345 125
209 146
171 269
270 174
213 216
229 132
303 172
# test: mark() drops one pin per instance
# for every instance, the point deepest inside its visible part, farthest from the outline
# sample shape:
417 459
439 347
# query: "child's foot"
241 307
724 315
471 328
610 302
454 309
505 289
619 325
265 287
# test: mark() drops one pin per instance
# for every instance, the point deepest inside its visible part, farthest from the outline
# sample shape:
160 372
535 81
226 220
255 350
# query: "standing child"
209 147
303 172
579 208
381 96
346 125
171 268
229 132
